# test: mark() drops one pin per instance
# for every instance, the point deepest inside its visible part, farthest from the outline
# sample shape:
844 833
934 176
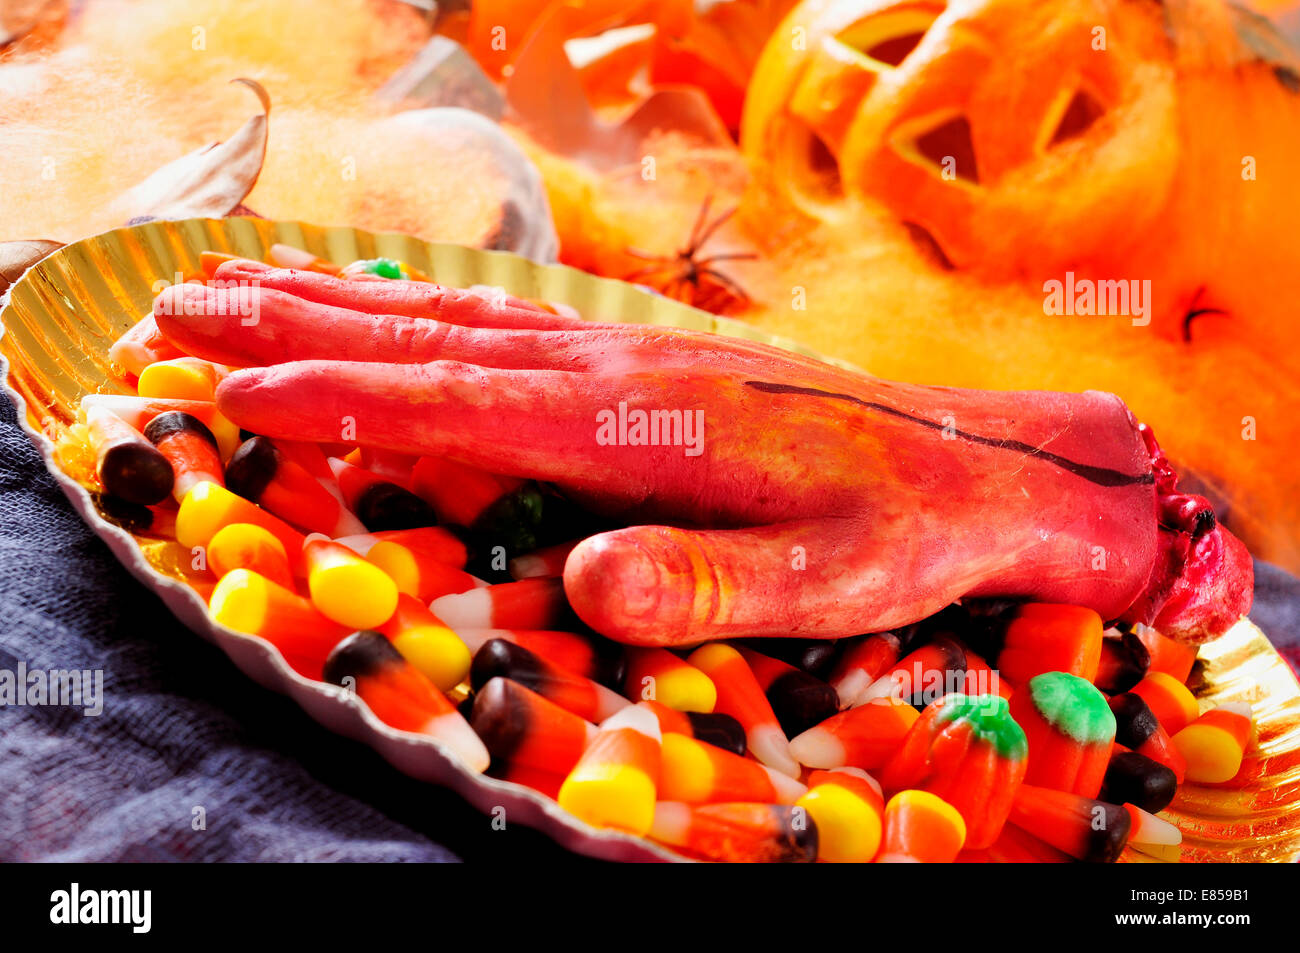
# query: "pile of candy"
992 732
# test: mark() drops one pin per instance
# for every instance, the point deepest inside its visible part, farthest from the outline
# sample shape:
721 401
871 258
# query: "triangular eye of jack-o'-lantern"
969 121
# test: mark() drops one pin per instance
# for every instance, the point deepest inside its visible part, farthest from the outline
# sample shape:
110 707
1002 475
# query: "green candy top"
384 268
1073 706
990 718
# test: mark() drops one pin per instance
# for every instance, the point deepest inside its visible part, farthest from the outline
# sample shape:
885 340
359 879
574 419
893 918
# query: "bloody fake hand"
780 495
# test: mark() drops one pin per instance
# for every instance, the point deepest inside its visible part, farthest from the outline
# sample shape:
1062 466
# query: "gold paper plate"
64 313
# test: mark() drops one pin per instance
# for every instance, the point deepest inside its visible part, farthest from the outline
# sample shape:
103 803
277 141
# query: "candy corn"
1175 659
1213 744
138 411
146 520
1147 830
861 664
413 546
246 546
252 604
588 656
1136 728
417 575
1124 662
1069 729
1015 846
798 700
614 782
520 727
505 511
740 696
527 604
209 507
141 345
379 503
345 587
1133 778
815 656
189 447
539 779
1043 637
700 773
436 651
1169 700
582 696
418 565
969 751
1086 829
737 833
849 810
311 458
460 494
400 696
547 561
394 467
712 727
863 737
923 675
981 678
286 256
260 472
210 261
920 827
181 378
655 673
126 463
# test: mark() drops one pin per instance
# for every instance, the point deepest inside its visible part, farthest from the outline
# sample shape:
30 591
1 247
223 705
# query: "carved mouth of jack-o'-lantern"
969 121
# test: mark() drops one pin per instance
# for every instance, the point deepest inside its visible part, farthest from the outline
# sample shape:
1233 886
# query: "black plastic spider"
689 277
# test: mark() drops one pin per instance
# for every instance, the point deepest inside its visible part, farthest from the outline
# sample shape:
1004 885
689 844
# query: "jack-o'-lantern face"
1008 131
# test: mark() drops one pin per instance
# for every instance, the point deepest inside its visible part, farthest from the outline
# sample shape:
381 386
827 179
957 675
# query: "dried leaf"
207 183
547 101
17 257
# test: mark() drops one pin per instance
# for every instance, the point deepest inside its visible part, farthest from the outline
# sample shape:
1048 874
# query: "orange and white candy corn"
921 828
615 781
1214 743
740 696
700 773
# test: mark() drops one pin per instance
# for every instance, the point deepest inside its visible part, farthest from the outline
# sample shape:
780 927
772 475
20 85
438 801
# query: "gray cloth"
1277 610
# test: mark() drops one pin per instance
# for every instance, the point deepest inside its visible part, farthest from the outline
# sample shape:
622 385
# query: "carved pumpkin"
1122 138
